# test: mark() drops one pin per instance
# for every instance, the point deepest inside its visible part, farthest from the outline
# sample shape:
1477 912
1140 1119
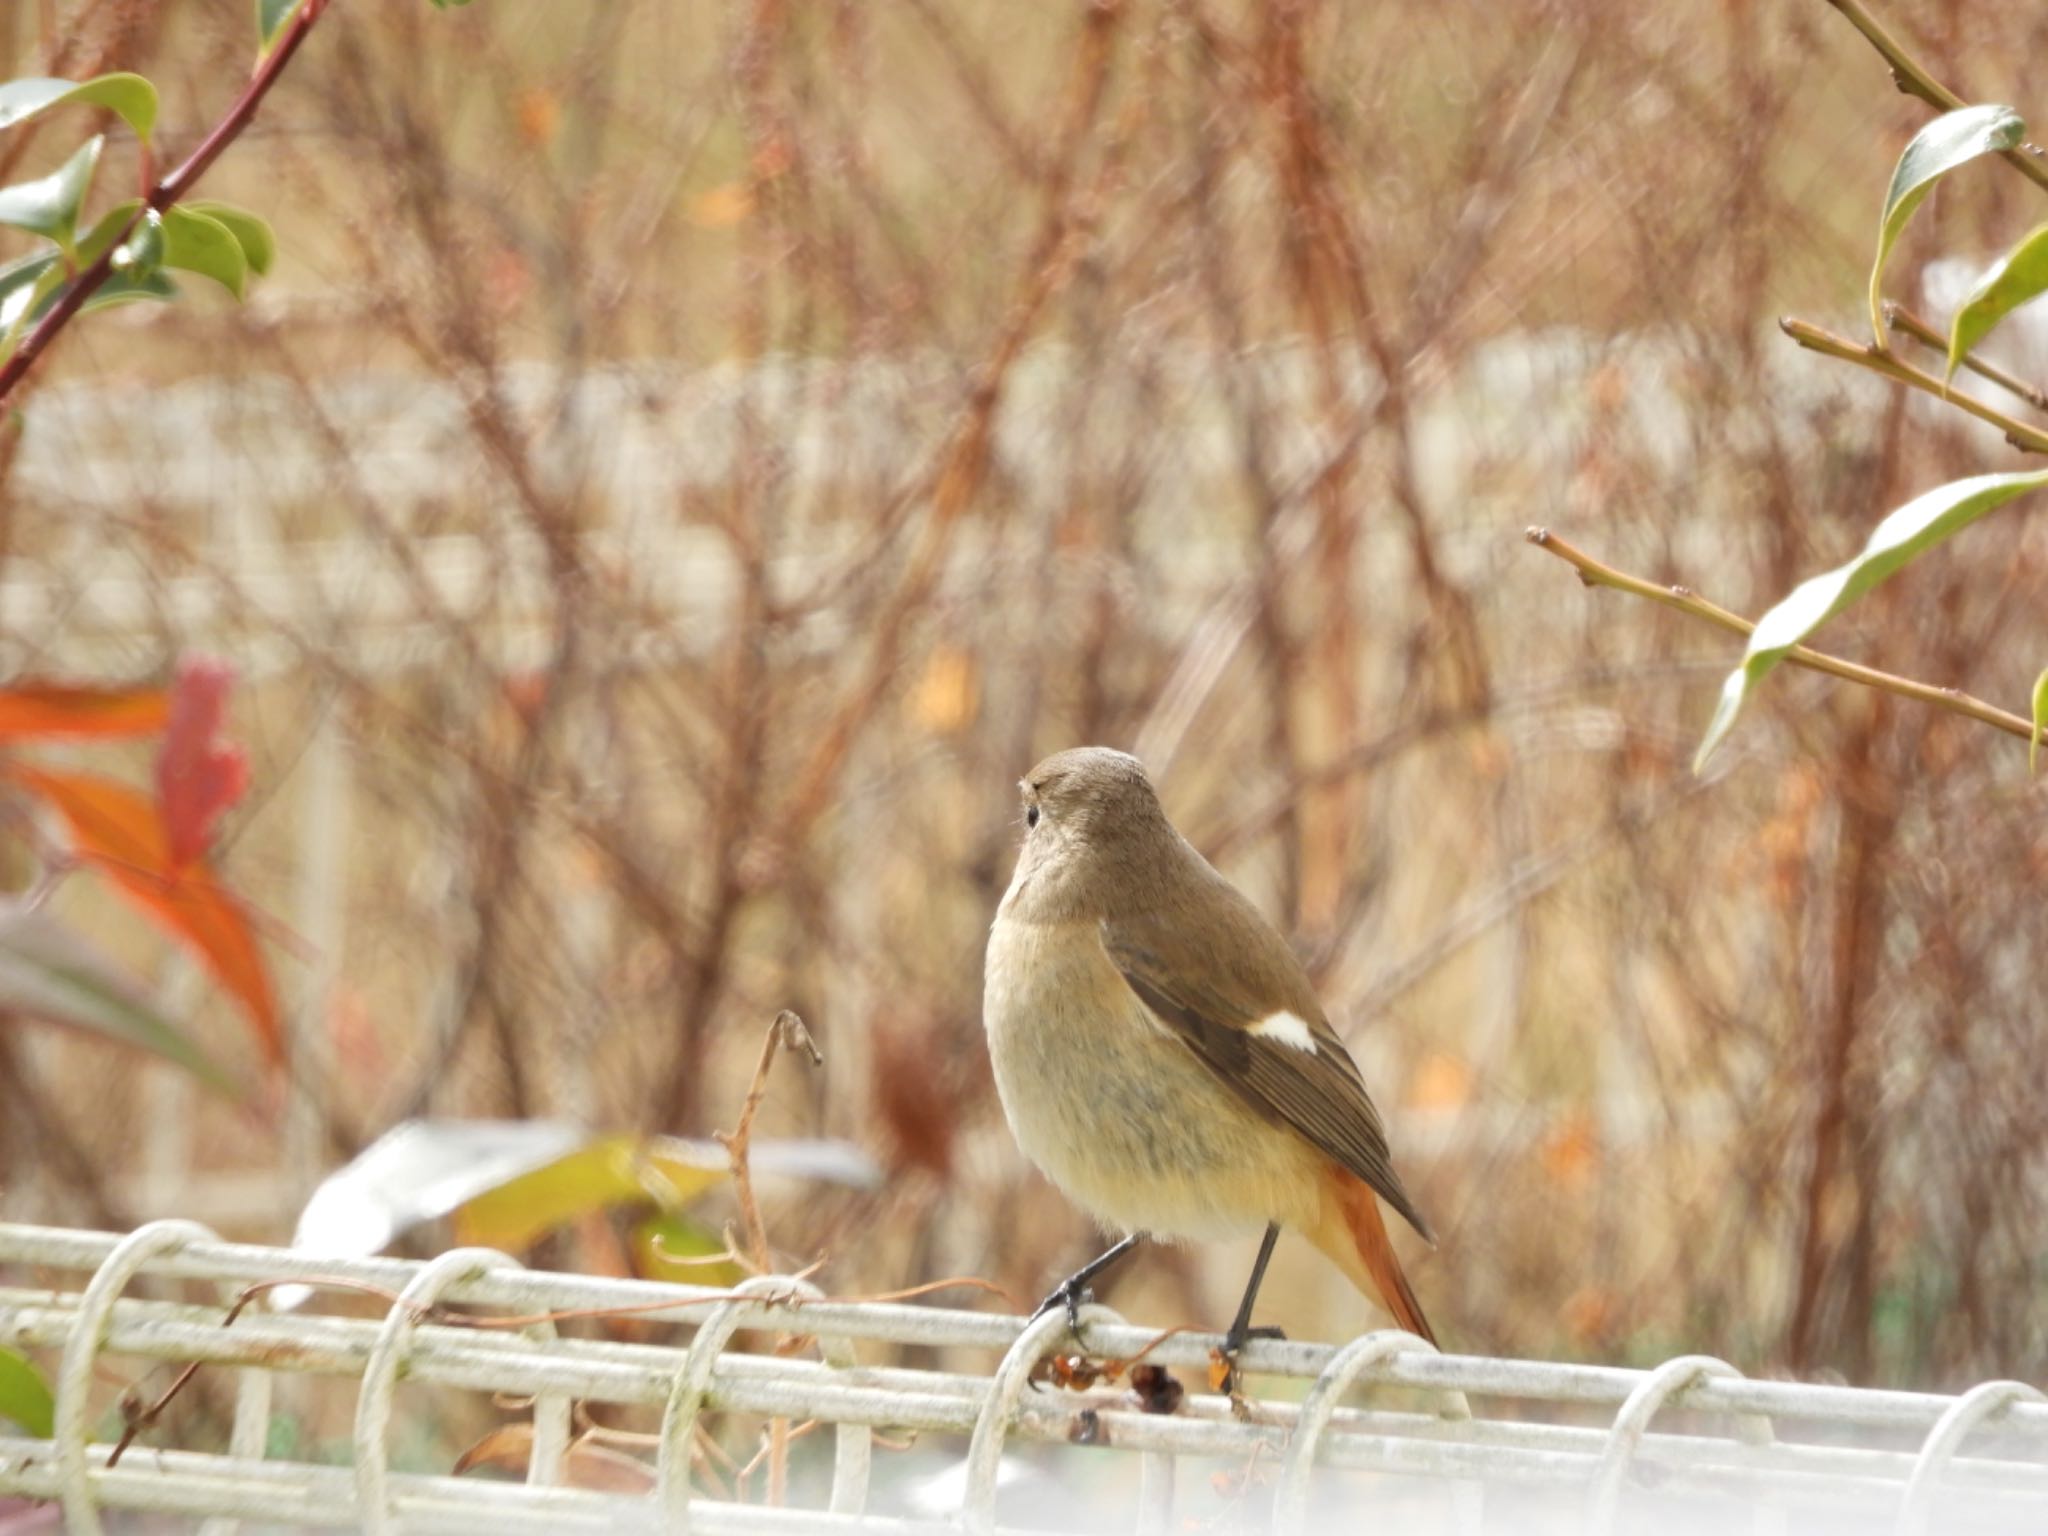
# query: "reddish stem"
166 192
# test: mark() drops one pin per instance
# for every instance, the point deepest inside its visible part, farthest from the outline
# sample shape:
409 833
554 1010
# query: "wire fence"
1383 1428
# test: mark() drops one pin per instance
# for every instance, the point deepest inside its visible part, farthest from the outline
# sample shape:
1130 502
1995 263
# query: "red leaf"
64 709
115 829
198 775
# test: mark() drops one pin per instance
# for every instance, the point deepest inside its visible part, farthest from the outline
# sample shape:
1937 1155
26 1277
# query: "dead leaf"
509 1448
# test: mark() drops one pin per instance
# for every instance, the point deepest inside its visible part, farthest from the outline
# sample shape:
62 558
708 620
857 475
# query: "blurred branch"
1912 77
1903 320
1887 365
1594 574
239 115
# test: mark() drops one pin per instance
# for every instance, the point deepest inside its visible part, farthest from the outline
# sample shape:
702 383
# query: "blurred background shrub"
687 461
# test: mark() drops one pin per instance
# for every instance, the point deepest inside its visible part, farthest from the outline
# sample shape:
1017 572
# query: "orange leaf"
1440 1081
116 830
538 111
722 206
1571 1152
64 709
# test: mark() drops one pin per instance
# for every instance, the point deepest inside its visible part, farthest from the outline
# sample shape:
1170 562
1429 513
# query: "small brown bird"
1160 1053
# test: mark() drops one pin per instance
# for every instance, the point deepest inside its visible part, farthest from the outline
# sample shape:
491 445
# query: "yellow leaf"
667 1248
947 697
620 1170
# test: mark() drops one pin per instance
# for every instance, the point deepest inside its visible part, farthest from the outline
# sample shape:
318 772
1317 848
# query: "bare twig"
1685 600
177 184
1912 77
1889 365
787 1032
1903 320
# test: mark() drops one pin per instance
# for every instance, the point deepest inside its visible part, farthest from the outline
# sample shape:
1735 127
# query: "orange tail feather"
1354 1235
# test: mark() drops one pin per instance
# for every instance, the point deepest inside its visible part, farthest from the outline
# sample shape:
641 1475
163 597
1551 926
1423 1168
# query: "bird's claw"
1073 1294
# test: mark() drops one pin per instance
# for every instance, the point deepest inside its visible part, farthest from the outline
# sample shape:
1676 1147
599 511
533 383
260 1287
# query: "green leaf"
50 205
1920 524
25 1396
29 287
271 15
195 242
49 972
23 287
106 229
143 251
2019 275
1950 140
251 231
133 97
2040 718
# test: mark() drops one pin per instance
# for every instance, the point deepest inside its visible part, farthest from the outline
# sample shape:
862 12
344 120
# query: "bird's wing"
1262 1032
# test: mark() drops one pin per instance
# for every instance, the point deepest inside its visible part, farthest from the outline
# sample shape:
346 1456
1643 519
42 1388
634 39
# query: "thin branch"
177 184
1889 365
1912 77
1594 574
787 1032
1903 320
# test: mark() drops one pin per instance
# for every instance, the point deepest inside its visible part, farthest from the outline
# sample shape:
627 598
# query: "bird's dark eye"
1031 817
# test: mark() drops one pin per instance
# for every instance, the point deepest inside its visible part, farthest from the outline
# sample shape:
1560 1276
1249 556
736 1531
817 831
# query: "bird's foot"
1224 1376
1073 1294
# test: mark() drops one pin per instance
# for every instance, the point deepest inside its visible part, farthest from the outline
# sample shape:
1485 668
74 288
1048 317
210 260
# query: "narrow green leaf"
2019 275
252 231
25 1396
50 972
195 242
2040 718
131 96
1920 524
271 15
49 206
1950 140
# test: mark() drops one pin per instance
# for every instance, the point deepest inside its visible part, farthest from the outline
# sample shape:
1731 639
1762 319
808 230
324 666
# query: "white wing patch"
1288 1029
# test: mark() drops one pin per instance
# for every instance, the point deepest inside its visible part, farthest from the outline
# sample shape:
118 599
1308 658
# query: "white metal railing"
1476 1444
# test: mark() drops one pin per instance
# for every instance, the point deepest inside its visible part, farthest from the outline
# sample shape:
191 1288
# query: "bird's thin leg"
1073 1290
1241 1329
